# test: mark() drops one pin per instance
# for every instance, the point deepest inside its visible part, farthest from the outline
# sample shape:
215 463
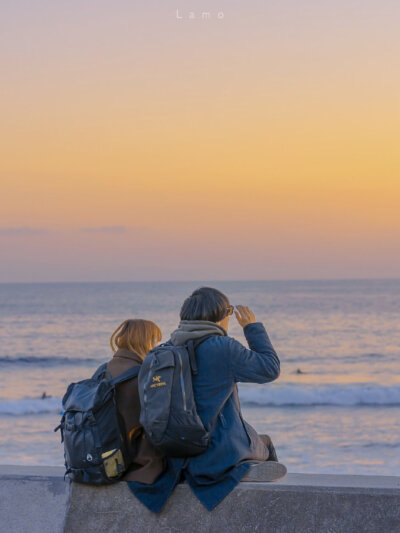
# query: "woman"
131 342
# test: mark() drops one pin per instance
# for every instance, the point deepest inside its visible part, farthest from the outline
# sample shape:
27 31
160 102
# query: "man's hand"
244 315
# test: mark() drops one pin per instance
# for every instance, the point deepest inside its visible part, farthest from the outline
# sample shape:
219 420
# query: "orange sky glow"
263 145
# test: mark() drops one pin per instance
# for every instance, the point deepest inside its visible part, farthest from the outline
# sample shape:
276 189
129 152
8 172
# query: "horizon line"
198 281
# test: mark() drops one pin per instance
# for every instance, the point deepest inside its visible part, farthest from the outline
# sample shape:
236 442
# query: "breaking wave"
30 406
269 395
292 395
48 361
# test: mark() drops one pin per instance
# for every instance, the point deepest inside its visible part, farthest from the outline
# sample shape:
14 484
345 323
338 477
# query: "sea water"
334 409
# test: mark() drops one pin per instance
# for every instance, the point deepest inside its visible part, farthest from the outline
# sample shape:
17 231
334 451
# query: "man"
235 451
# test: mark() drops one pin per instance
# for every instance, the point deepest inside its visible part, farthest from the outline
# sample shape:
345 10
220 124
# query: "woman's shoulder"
127 356
122 360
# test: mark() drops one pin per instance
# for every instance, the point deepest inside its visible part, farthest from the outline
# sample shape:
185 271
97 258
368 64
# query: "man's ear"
224 323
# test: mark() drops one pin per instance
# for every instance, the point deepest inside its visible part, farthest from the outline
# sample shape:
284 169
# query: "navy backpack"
93 431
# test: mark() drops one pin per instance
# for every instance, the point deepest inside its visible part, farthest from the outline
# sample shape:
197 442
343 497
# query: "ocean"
334 409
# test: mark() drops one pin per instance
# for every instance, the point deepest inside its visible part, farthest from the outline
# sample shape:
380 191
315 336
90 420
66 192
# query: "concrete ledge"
38 500
33 499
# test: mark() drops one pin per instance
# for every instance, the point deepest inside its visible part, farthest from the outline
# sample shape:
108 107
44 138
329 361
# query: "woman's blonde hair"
136 335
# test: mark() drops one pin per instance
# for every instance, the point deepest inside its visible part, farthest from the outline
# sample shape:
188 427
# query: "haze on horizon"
135 146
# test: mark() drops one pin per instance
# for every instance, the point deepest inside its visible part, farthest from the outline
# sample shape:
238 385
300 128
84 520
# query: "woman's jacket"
147 463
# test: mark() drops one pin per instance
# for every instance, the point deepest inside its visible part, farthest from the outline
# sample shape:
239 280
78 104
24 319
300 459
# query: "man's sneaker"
265 471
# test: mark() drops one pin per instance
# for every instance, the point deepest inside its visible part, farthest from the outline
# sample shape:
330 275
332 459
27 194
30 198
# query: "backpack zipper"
182 382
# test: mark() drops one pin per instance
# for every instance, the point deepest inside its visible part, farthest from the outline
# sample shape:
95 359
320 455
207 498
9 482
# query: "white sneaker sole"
265 471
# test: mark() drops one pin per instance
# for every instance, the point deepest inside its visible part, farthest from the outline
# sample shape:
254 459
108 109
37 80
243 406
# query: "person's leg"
265 471
270 469
268 443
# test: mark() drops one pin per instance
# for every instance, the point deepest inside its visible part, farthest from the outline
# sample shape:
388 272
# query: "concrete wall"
38 500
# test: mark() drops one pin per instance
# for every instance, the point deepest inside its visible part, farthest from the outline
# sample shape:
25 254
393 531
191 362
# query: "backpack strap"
191 347
100 371
128 374
192 357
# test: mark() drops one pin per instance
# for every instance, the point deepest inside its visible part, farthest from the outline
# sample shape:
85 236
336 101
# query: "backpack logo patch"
157 382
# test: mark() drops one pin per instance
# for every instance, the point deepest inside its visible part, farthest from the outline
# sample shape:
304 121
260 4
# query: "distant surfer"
44 396
299 371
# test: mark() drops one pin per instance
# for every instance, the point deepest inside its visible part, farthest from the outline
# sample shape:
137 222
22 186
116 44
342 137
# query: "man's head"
209 304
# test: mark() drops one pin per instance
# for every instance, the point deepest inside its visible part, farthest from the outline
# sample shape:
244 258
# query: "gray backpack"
93 431
168 410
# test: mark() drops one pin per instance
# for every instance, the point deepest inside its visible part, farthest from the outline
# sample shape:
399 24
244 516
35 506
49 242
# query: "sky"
140 143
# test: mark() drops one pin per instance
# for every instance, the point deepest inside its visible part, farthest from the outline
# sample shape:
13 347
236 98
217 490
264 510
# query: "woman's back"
147 462
130 343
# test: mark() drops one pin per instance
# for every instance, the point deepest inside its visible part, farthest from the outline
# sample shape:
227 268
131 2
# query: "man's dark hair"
205 303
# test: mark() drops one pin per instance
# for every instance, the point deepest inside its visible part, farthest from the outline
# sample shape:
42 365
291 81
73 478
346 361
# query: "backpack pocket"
79 441
114 464
155 389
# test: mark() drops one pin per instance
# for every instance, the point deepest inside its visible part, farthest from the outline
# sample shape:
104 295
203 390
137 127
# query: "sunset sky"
261 144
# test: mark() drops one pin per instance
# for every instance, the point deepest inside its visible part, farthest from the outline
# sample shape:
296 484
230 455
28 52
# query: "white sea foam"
268 395
30 406
291 395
